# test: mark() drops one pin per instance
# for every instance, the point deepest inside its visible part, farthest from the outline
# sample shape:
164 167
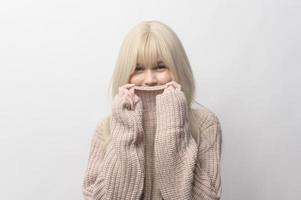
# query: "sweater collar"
148 95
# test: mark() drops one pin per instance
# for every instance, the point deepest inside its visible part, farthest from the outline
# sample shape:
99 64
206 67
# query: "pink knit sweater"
152 154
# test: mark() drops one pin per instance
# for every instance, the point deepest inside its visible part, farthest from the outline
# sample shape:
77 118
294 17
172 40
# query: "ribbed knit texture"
148 97
153 155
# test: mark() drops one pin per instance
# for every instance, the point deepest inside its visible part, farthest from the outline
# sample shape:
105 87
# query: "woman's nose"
150 78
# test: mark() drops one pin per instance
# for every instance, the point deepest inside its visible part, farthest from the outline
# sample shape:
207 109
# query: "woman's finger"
136 99
127 92
122 88
129 102
127 86
174 84
132 92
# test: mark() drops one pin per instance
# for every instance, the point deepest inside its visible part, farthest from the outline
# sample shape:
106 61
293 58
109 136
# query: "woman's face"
151 76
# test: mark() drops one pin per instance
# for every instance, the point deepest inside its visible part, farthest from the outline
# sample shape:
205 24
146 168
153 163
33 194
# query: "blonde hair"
147 42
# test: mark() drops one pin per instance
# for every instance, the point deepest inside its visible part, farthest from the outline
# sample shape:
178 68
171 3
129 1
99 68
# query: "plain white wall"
57 58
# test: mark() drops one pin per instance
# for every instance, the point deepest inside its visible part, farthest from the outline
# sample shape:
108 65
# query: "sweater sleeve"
175 148
207 174
117 173
185 169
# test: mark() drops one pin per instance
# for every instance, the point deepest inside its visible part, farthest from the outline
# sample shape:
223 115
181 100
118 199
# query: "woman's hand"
127 93
172 106
173 85
175 150
127 112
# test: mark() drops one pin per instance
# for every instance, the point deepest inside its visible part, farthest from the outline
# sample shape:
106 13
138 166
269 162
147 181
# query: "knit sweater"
152 154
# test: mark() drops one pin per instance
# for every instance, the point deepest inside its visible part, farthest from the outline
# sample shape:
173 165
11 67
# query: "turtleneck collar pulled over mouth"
148 95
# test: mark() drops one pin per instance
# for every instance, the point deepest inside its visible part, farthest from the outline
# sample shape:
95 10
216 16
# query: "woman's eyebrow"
158 63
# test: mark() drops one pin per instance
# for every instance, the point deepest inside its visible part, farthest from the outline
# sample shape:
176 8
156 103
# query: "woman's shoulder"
208 128
205 116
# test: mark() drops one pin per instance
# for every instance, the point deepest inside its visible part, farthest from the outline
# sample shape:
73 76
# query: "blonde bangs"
150 50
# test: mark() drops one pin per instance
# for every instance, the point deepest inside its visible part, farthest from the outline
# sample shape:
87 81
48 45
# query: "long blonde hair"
148 42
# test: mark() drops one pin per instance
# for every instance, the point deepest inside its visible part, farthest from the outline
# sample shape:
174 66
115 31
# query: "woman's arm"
184 170
207 175
119 174
94 161
175 148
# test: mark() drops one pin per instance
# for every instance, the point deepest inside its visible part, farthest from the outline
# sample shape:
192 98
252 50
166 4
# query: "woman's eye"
139 68
161 67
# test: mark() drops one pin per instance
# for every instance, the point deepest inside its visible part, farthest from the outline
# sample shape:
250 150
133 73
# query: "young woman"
154 145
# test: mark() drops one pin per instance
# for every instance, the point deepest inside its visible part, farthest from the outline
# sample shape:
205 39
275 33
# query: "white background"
57 58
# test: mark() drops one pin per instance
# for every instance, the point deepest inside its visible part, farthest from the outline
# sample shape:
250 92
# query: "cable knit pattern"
152 155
